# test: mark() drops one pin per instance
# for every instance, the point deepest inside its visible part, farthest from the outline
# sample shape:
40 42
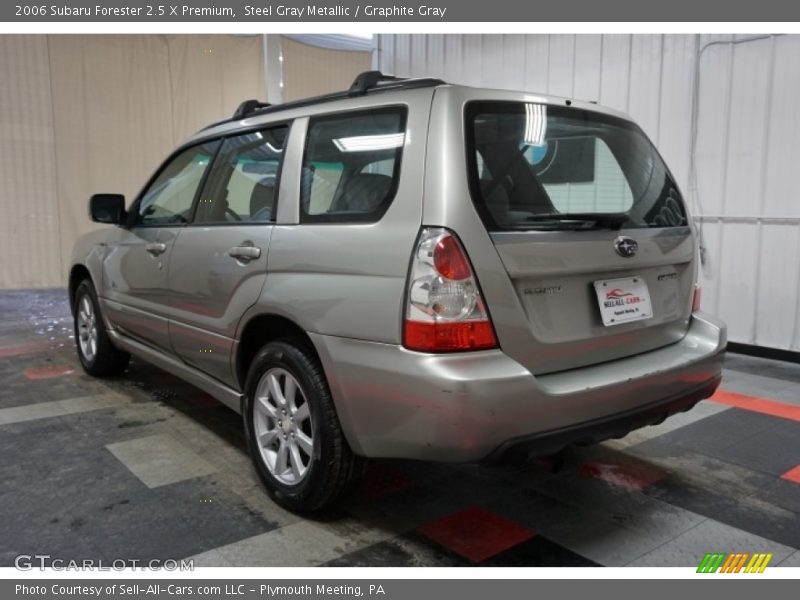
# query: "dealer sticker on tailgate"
623 300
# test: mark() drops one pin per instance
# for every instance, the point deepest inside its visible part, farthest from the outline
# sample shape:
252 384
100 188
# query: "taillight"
444 310
697 297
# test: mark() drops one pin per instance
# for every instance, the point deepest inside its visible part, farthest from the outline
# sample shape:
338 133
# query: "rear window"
536 166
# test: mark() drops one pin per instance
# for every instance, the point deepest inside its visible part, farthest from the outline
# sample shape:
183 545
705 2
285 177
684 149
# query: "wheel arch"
77 273
261 328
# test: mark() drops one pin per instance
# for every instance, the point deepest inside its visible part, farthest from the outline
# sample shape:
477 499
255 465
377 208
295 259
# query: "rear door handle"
244 253
156 248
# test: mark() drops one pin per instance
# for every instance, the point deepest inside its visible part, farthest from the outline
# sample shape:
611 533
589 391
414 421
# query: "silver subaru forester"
407 269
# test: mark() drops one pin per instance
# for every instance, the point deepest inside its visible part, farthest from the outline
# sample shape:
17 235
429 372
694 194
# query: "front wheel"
293 432
97 354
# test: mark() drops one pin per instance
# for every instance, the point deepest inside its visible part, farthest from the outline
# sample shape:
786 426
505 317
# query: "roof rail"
365 83
375 80
247 107
368 80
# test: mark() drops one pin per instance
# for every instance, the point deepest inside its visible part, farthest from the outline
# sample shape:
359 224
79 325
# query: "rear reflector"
441 337
697 298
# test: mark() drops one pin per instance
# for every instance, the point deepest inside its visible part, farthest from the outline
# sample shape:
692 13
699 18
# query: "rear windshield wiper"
580 220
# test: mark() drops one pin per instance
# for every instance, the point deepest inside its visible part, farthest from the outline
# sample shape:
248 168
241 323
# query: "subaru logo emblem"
625 246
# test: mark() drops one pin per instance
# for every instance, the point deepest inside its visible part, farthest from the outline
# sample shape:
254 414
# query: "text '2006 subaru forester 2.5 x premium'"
407 269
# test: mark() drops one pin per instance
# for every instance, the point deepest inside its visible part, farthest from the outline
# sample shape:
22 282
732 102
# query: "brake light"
697 297
445 311
449 260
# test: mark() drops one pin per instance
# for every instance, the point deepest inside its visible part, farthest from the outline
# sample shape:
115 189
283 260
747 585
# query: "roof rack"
375 80
368 80
365 83
247 107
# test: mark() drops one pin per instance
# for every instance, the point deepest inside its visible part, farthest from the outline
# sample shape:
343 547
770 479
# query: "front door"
136 273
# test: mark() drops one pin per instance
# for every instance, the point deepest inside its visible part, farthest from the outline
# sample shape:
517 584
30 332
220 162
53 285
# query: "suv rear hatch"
591 229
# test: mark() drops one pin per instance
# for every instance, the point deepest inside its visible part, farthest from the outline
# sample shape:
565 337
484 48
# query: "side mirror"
107 208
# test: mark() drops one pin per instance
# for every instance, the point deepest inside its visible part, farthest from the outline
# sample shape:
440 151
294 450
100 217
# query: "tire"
96 352
323 468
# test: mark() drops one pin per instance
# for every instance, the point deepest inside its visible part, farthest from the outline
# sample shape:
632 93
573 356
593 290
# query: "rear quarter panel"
348 280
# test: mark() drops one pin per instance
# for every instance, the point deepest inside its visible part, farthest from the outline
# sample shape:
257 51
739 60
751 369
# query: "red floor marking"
381 481
759 405
633 477
10 351
48 372
792 475
476 534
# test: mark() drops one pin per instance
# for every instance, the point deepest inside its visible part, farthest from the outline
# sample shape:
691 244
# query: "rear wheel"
293 432
97 354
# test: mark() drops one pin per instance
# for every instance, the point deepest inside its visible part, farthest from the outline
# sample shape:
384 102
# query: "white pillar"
273 67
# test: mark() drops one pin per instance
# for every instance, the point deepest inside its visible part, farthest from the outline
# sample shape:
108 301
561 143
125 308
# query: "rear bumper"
484 405
612 426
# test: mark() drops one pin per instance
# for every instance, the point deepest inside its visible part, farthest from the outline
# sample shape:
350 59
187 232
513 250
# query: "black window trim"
353 218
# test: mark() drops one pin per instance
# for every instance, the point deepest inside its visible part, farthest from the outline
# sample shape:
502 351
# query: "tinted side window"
242 186
351 166
169 198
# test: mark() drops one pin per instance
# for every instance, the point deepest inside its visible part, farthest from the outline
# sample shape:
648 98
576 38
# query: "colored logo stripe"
711 562
733 563
758 563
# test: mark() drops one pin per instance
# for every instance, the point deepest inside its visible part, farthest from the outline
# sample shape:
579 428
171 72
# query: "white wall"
313 70
81 114
734 107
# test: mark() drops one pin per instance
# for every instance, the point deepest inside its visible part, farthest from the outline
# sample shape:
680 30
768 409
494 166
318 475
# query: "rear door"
596 252
136 264
219 262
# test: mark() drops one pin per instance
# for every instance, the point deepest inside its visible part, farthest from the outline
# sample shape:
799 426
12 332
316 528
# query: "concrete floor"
148 467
